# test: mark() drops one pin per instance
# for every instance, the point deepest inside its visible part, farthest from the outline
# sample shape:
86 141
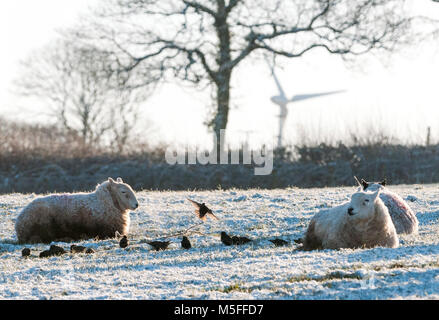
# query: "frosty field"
210 270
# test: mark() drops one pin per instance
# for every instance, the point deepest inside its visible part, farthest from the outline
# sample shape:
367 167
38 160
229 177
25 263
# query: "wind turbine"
282 101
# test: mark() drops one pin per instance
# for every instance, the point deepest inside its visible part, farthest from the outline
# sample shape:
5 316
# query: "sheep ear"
376 194
358 182
119 179
364 183
384 182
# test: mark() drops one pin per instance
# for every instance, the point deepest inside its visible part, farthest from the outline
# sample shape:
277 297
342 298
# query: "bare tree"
72 82
203 41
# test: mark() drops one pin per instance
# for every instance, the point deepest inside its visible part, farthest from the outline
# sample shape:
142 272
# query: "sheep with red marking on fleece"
363 222
402 215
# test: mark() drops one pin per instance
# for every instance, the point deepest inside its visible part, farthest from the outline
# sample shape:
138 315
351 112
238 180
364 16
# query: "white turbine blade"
281 91
279 87
300 97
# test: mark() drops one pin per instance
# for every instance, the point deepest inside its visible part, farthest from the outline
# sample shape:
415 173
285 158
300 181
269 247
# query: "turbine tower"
282 101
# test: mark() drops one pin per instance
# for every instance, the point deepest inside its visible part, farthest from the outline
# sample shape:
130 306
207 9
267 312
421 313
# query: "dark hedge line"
317 166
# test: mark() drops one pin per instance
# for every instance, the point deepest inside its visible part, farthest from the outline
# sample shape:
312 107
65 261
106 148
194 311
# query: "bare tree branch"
82 98
199 7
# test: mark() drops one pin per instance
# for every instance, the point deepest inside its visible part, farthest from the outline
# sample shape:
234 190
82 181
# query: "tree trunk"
222 113
224 73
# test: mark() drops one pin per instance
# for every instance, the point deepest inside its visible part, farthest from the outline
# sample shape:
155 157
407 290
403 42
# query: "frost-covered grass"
211 270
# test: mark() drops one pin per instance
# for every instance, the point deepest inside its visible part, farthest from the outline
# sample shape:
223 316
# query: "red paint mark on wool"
397 201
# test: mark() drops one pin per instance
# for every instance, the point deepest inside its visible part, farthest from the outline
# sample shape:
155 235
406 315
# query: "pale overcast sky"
403 97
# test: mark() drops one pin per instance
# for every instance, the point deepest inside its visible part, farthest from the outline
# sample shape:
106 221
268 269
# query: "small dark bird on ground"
89 250
245 240
240 240
123 243
235 240
226 239
25 252
45 254
77 249
202 211
299 240
56 250
279 242
159 245
185 243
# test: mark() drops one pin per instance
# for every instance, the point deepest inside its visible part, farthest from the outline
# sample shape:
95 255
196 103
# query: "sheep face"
362 205
123 194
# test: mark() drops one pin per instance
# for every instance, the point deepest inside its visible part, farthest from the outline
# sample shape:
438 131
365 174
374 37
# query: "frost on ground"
210 270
